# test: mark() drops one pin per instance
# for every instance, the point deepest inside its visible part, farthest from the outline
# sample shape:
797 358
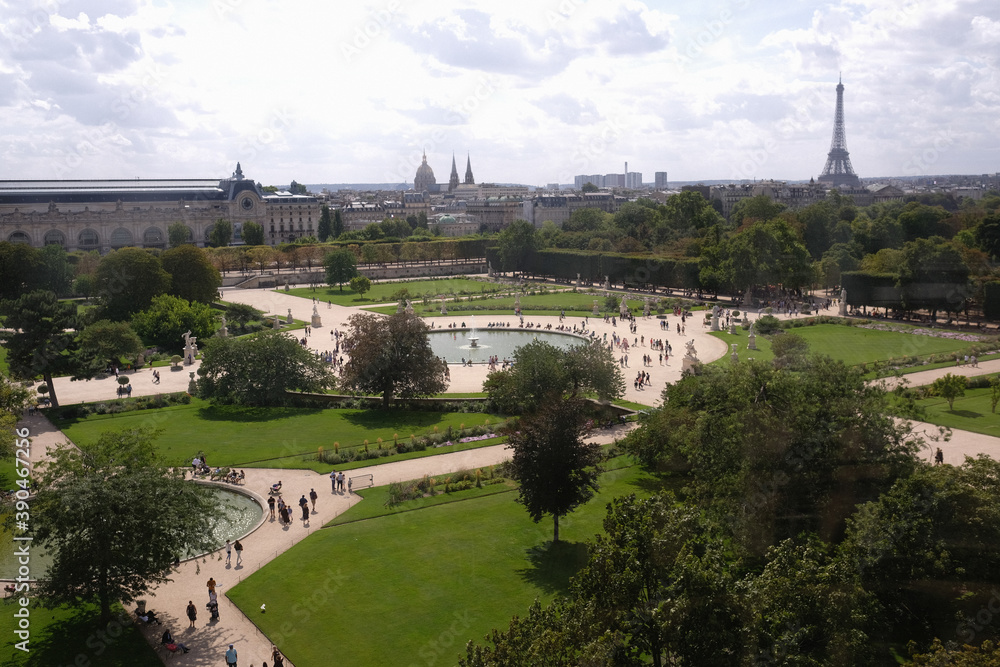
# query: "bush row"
122 405
380 449
400 492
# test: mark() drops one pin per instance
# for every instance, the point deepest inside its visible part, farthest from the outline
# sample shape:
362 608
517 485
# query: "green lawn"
852 345
74 636
576 304
270 437
420 584
381 292
972 412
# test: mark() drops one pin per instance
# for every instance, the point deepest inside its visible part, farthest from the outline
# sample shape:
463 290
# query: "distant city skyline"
537 93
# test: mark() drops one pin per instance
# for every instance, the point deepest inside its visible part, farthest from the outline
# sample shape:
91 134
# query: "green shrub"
767 325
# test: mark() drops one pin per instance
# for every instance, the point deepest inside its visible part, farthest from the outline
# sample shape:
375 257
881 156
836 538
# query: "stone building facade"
107 214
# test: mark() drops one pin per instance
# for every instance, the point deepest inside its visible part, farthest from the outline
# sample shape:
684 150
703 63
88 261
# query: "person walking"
231 656
304 504
270 506
211 586
192 613
312 497
239 552
333 481
229 551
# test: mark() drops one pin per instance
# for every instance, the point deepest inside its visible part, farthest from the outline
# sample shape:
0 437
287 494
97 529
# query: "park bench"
362 482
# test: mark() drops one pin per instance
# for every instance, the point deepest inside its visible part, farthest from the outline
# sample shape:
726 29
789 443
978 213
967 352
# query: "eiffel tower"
838 170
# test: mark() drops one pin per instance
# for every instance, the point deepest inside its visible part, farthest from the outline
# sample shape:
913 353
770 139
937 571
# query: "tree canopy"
259 370
192 274
515 244
542 371
221 234
392 357
114 518
43 339
127 279
167 319
253 233
104 343
818 434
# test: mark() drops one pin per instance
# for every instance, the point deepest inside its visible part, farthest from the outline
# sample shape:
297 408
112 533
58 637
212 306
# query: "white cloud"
534 89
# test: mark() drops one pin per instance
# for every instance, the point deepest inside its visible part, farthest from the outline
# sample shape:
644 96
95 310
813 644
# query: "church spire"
468 171
453 181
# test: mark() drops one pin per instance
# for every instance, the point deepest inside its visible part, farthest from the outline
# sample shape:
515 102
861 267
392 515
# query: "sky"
534 91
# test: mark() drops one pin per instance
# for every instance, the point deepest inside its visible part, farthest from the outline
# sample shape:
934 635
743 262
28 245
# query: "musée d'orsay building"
103 215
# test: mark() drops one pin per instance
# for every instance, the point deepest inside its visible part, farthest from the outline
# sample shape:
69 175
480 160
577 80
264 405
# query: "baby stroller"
213 610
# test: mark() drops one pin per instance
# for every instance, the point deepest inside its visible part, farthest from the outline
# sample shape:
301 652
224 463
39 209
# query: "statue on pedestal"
444 307
843 303
597 309
409 307
290 319
715 318
316 321
223 330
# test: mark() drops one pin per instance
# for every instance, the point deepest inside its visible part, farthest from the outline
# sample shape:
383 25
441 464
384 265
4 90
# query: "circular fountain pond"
455 344
236 514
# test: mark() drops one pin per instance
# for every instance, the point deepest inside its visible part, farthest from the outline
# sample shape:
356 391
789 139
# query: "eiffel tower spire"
838 170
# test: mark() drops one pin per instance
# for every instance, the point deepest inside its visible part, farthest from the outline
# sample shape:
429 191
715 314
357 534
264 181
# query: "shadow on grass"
552 565
63 636
240 413
410 419
658 482
969 414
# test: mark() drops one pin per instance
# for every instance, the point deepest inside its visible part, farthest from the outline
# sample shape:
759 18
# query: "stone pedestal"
290 320
597 309
715 318
687 364
277 321
752 344
732 329
734 356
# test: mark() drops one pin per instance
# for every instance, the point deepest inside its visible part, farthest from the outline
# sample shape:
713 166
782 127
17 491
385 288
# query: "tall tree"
192 274
259 370
338 224
127 279
516 245
325 228
391 356
556 470
341 266
114 518
178 234
221 234
253 233
43 340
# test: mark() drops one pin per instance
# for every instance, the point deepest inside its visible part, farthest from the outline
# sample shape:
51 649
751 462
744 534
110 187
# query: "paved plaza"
208 640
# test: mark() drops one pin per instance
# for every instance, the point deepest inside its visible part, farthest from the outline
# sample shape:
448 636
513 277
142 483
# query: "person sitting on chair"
275 488
169 639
